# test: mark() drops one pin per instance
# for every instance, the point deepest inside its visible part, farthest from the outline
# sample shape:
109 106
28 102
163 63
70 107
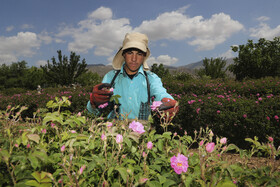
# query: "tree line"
254 60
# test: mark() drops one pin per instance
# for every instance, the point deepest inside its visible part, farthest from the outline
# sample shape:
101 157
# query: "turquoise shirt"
133 92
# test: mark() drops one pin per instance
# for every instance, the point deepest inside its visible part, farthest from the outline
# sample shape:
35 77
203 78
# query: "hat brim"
119 59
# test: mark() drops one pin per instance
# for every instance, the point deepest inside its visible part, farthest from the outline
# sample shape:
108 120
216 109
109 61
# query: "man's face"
133 60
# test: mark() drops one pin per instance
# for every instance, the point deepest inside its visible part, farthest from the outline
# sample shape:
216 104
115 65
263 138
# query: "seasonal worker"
133 82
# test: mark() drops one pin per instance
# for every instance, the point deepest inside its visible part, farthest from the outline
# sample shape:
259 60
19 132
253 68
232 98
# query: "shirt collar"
141 70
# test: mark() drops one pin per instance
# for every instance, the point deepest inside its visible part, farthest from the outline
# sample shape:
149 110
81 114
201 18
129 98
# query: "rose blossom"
270 139
155 105
119 138
223 140
103 137
149 145
179 163
137 127
82 169
210 147
62 149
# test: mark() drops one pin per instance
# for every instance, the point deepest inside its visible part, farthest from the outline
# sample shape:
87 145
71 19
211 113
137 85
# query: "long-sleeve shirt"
134 94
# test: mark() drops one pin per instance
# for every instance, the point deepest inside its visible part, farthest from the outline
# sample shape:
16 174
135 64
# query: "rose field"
48 139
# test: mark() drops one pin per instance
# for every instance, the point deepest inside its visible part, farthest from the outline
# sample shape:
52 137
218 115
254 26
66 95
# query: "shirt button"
129 98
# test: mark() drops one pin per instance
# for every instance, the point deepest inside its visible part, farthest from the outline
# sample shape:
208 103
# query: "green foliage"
160 70
89 78
18 75
257 60
214 68
63 149
64 72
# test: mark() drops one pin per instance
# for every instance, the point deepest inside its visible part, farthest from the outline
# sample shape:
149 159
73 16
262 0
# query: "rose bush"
60 148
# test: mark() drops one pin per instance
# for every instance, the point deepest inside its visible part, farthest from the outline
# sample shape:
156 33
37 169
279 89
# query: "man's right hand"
100 94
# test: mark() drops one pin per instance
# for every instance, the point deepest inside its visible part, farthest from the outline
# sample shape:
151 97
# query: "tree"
64 72
214 68
34 77
257 60
160 70
12 76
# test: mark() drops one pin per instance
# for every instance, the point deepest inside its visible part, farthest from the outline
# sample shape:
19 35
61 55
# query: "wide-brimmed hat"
132 40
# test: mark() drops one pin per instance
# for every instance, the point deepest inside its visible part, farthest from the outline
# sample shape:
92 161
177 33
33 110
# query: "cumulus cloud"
7 59
203 33
103 34
162 59
99 32
263 30
23 44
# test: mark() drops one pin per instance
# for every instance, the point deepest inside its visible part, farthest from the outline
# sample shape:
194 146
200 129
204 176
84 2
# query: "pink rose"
137 127
155 105
82 169
103 137
270 139
62 149
149 145
119 138
210 147
223 140
179 163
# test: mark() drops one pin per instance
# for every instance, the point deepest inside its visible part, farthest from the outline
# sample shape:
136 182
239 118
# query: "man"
131 80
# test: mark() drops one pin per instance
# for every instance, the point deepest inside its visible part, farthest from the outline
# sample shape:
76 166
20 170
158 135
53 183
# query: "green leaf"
110 170
169 182
153 184
161 179
160 144
128 142
33 137
167 135
34 161
37 176
226 183
32 183
123 173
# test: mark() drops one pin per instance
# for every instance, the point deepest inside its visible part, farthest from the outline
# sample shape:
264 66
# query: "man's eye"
140 54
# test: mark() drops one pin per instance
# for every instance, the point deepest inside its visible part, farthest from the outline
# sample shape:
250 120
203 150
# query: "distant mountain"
102 69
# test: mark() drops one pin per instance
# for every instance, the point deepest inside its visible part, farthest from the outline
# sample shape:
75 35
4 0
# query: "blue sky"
180 31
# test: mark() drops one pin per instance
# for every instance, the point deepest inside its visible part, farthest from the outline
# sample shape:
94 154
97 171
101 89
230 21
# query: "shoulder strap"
148 87
115 76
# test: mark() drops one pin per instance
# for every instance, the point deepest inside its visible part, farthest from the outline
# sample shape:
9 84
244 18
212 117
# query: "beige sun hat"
132 40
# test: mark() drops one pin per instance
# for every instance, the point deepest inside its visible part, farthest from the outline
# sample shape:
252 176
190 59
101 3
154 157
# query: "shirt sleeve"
157 89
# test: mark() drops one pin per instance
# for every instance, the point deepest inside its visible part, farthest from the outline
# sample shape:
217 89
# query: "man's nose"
133 57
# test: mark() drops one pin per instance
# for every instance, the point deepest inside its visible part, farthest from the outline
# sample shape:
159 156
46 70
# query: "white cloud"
41 63
263 18
23 44
264 31
205 33
228 54
103 34
44 36
27 26
99 32
7 59
162 59
9 28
